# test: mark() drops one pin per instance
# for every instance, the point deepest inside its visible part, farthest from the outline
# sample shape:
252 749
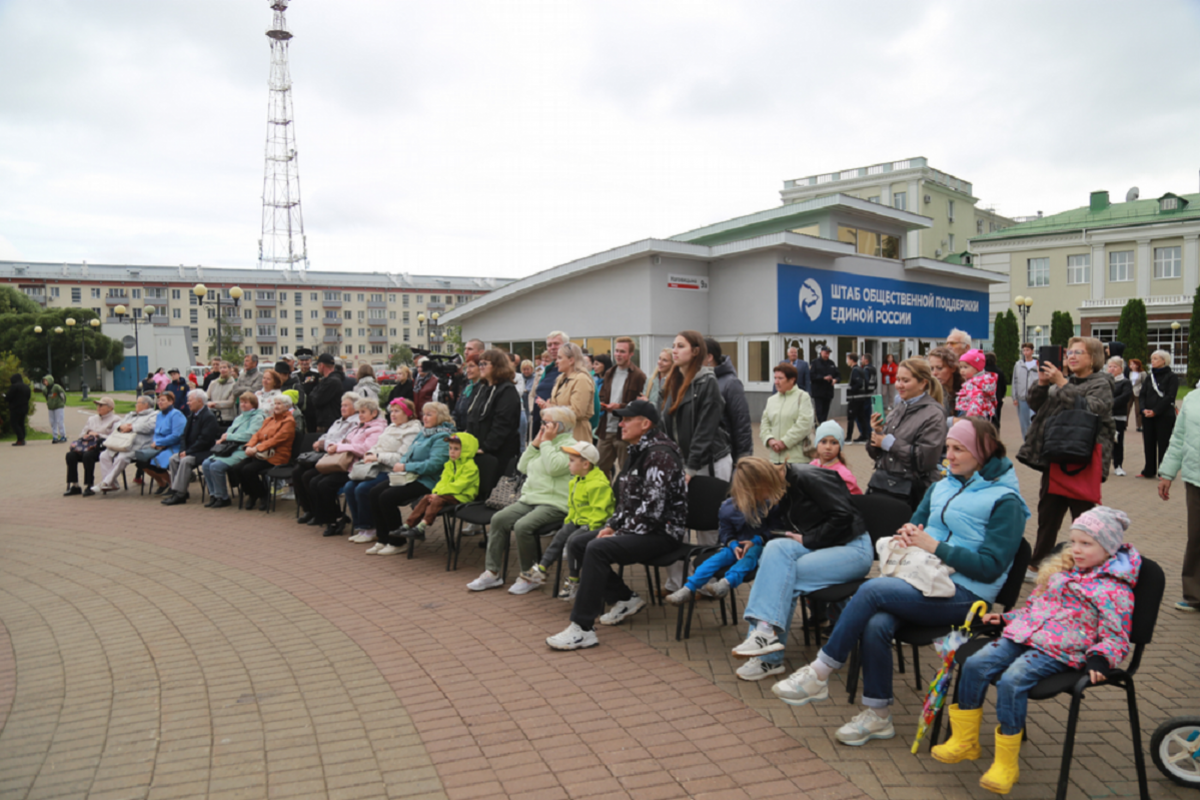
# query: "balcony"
431 307
377 322
376 304
111 300
160 319
331 304
1155 300
260 302
377 338
269 338
331 338
333 321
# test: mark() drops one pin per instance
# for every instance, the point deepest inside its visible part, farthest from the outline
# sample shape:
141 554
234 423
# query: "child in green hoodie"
459 484
590 503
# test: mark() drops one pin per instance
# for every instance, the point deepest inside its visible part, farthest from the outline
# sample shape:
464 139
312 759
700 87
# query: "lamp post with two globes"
201 292
433 325
39 330
1023 305
95 323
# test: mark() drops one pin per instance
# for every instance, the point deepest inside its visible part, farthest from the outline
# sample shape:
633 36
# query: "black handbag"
887 483
225 449
1070 436
309 459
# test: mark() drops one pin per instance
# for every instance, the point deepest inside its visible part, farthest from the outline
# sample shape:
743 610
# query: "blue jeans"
1024 415
788 569
214 475
736 569
1018 667
358 500
872 616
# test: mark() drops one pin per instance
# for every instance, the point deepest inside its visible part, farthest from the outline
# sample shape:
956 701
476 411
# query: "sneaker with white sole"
388 550
802 687
568 591
367 536
719 588
534 575
573 638
1031 576
679 597
866 726
623 609
756 669
357 538
1119 472
375 548
758 644
488 580
522 585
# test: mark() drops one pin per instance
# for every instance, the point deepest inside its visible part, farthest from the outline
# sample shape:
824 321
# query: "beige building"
1091 260
910 185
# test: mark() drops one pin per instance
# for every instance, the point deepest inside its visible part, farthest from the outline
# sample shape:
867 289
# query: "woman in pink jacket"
324 490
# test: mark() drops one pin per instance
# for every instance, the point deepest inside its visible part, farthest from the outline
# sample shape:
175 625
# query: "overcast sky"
502 138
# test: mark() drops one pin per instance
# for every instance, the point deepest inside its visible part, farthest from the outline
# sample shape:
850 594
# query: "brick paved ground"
181 652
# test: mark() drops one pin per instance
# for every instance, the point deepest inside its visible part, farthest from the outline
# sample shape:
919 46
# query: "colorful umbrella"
947 646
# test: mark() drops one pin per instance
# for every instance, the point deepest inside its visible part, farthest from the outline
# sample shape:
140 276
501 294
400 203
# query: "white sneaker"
522 586
679 597
1031 576
388 550
756 669
573 638
623 609
534 575
488 580
290 494
1119 472
568 591
802 687
865 727
375 548
367 536
357 538
719 588
758 644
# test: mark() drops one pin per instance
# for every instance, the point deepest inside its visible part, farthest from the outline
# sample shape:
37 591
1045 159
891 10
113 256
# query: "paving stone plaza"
179 652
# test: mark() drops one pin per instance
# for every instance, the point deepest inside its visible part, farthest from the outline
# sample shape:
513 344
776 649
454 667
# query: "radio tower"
283 243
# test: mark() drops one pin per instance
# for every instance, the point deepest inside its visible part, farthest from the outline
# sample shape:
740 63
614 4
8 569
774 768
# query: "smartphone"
877 408
1052 353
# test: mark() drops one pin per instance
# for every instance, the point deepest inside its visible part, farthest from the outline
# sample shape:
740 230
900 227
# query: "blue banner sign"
837 303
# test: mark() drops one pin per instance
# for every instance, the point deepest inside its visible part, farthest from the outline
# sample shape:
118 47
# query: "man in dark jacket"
251 378
627 383
803 378
179 388
648 522
199 436
736 419
326 398
18 397
824 376
858 402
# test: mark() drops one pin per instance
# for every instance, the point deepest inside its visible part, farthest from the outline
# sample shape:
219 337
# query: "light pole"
433 324
49 361
95 323
1175 326
121 313
1023 305
201 292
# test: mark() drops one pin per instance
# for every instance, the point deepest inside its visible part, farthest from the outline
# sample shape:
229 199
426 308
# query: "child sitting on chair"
459 484
1078 617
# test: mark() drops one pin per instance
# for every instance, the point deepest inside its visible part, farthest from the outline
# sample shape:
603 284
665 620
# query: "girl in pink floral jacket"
1078 617
977 397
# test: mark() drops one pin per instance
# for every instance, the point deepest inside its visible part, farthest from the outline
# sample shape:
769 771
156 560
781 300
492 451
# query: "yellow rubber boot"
1005 769
963 744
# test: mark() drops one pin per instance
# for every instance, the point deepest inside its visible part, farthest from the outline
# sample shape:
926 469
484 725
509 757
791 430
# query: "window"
376 349
362 349
192 299
333 296
54 291
266 330
376 298
1120 266
463 298
362 331
349 332
261 295
348 315
313 332
137 294
283 331
874 199
247 332
194 315
391 298
405 317
95 292
248 314
406 334
1166 262
96 311
176 313
391 331
900 200
314 314
391 315
758 362
435 298
212 332
283 297
268 350
420 299
362 315
406 301
979 226
1039 272
870 243
249 349
950 241
950 210
312 296
195 333
1079 269
349 349
116 291
175 294
299 296
346 297
266 313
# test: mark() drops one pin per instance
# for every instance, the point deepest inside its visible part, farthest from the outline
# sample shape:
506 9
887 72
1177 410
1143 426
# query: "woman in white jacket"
787 421
391 446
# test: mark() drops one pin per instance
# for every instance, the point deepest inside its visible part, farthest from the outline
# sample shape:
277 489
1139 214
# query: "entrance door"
129 373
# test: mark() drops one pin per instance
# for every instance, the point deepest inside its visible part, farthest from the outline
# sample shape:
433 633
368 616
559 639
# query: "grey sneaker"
719 588
623 609
755 669
865 727
568 591
758 644
679 597
802 687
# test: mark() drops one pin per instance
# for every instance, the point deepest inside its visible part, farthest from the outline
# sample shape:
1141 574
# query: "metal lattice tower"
283 243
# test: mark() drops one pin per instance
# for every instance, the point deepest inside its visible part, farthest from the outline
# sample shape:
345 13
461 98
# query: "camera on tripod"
443 365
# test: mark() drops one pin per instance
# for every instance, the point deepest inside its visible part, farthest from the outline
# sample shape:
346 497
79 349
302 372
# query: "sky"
503 138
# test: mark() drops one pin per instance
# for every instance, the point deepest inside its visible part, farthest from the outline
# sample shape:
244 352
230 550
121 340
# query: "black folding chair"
301 443
705 495
474 513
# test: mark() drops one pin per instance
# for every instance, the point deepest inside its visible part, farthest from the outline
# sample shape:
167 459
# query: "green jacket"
56 396
460 476
590 500
547 471
1183 454
789 417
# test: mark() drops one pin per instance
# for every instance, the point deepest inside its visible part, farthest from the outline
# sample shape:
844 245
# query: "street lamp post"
95 323
433 325
201 292
121 313
1023 305
1175 326
49 361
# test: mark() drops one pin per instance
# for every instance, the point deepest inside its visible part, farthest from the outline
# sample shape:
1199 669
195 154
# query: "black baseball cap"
325 358
639 408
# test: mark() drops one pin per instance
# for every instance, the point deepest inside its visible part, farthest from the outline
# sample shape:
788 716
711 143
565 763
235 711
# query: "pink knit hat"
963 432
975 358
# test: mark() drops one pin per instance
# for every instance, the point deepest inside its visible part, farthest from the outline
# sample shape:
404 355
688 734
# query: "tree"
17 336
231 337
1193 351
401 354
14 301
1131 331
1007 343
1062 328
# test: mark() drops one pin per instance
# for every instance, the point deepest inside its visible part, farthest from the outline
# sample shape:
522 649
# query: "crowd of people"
598 456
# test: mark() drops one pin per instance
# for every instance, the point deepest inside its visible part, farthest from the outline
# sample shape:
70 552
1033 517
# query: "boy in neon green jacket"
589 505
459 484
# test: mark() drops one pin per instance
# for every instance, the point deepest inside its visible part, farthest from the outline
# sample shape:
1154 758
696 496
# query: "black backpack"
1070 436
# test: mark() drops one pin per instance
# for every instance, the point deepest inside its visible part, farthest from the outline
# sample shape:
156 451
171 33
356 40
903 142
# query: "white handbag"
923 570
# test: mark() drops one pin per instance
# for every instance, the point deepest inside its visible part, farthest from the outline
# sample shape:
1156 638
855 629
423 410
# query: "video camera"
443 365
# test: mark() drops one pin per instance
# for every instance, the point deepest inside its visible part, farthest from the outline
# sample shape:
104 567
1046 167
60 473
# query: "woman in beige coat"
574 389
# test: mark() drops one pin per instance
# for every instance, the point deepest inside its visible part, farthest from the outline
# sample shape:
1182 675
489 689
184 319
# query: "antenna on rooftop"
283 243
1132 195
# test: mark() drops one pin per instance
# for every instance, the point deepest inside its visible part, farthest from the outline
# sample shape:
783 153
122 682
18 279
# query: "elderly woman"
495 414
907 446
95 430
1183 456
1122 396
424 461
573 389
140 422
222 398
382 458
199 437
943 364
973 522
272 387
323 491
306 472
787 420
1054 394
244 426
168 431
1159 388
270 446
543 500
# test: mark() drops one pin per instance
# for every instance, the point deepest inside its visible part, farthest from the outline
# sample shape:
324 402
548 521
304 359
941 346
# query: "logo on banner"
811 299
